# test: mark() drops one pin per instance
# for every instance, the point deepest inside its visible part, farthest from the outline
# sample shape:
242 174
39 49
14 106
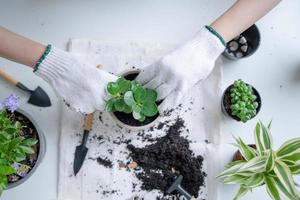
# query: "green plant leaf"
6 170
138 116
254 180
242 191
139 94
247 152
113 88
29 142
267 140
285 177
258 142
149 109
151 95
270 161
127 109
109 107
289 147
119 105
284 190
129 99
256 164
292 157
230 170
271 188
234 163
123 84
235 179
27 149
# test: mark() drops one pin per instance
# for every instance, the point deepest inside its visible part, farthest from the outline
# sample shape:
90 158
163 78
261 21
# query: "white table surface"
274 69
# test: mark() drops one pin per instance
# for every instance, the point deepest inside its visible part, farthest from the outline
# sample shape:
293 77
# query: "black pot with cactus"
241 101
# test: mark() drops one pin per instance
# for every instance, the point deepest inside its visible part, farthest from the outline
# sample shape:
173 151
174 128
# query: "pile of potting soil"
160 163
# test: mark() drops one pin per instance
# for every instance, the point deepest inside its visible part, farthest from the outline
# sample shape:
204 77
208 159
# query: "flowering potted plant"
131 104
261 165
241 101
22 145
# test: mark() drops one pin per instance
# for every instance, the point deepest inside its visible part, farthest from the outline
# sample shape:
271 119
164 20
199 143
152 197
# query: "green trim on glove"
214 32
42 58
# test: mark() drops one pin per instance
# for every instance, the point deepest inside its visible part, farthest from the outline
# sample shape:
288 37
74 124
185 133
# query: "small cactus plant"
243 101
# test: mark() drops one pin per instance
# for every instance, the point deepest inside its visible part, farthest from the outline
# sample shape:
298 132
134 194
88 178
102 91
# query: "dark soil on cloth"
128 118
164 160
28 131
105 162
226 102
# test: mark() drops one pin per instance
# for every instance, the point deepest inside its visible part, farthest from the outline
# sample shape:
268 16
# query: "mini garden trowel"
176 185
81 150
38 97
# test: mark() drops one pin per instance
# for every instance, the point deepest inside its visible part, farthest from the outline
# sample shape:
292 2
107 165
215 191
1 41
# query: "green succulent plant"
131 97
243 101
14 148
265 166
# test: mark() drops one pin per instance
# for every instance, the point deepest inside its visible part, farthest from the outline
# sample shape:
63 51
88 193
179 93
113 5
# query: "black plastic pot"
226 98
127 120
252 37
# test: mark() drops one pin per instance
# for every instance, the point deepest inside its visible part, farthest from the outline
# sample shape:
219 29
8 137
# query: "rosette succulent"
131 97
264 166
243 101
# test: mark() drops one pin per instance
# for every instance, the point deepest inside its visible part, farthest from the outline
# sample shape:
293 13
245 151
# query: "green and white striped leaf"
235 179
247 152
295 169
285 177
282 189
292 157
289 147
258 140
234 163
242 191
246 173
271 188
270 161
230 171
256 164
254 181
267 138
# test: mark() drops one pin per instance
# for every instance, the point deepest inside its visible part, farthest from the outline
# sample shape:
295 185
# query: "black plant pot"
226 102
252 38
127 120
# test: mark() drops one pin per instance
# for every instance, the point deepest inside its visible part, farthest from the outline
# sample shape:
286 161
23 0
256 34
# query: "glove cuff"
210 40
53 63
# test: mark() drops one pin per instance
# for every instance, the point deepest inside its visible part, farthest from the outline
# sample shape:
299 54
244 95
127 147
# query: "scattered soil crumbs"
105 162
164 160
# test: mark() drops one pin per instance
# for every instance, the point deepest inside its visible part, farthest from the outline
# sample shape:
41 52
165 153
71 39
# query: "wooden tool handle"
8 78
88 121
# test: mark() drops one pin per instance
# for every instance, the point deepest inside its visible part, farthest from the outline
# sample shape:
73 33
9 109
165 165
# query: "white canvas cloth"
95 182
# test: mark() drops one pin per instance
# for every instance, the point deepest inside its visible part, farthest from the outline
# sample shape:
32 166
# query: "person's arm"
19 49
241 16
174 74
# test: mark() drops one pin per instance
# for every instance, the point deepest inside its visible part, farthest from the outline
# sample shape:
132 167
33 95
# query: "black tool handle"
184 192
23 87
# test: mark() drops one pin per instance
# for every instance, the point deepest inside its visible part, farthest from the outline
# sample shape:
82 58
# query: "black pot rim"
255 92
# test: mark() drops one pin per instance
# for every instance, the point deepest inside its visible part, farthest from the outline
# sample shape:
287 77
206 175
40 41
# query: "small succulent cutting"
264 166
131 97
243 101
14 148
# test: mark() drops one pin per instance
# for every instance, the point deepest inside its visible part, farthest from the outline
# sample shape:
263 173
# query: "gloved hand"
80 84
174 74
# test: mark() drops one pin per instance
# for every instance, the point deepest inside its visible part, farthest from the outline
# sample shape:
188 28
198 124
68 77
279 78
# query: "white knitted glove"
174 74
80 84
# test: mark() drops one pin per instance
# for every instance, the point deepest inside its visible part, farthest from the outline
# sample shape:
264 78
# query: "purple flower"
11 102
